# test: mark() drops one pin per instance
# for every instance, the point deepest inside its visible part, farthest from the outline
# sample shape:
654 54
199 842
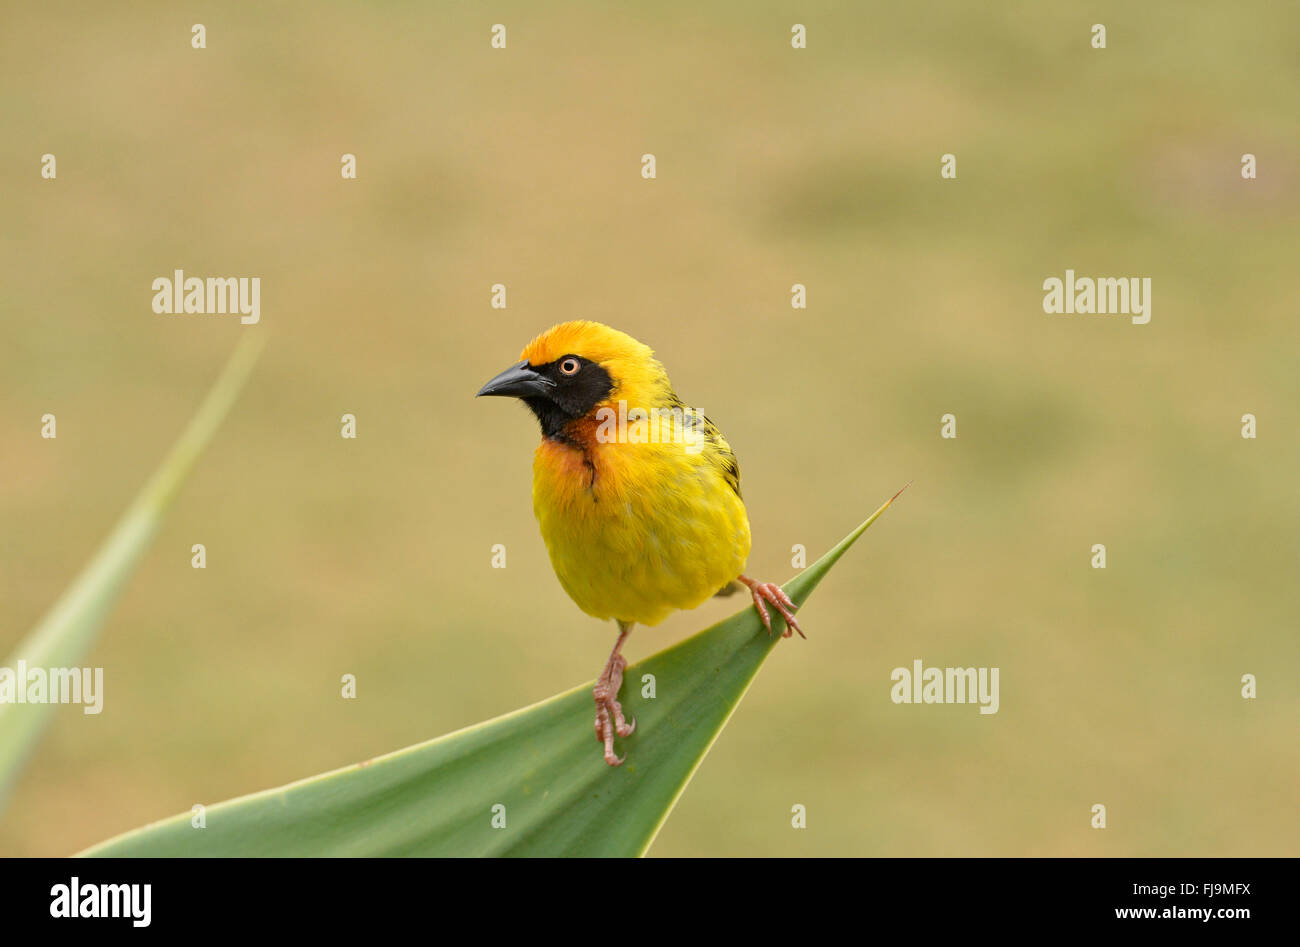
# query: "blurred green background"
775 166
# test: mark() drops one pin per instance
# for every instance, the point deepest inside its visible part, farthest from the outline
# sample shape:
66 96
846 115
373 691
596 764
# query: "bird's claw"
609 712
769 593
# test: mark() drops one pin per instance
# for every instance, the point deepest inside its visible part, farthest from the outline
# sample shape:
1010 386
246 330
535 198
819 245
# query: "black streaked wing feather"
716 451
719 453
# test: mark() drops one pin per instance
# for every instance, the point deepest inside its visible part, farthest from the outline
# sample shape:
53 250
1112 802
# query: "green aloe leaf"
542 763
63 637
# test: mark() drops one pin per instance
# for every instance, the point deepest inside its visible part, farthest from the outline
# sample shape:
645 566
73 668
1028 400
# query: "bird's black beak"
518 381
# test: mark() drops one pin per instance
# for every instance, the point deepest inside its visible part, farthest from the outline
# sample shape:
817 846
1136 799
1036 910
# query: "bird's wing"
718 452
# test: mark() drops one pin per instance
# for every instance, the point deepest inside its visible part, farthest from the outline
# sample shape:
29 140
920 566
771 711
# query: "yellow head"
572 370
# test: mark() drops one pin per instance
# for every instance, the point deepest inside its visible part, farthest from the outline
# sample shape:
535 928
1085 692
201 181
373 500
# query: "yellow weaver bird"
636 493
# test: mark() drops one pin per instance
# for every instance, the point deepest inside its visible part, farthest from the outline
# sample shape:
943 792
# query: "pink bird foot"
769 593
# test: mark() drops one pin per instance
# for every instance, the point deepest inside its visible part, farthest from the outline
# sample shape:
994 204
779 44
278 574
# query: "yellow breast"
635 531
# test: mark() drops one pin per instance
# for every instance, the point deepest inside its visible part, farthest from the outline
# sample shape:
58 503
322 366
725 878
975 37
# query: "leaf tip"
899 493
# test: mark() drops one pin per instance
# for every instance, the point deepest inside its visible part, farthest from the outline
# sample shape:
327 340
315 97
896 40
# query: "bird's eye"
569 366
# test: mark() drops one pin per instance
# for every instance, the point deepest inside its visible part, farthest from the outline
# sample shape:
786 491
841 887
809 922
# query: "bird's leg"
772 594
609 713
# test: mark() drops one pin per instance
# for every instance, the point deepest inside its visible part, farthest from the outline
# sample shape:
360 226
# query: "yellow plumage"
637 494
635 530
